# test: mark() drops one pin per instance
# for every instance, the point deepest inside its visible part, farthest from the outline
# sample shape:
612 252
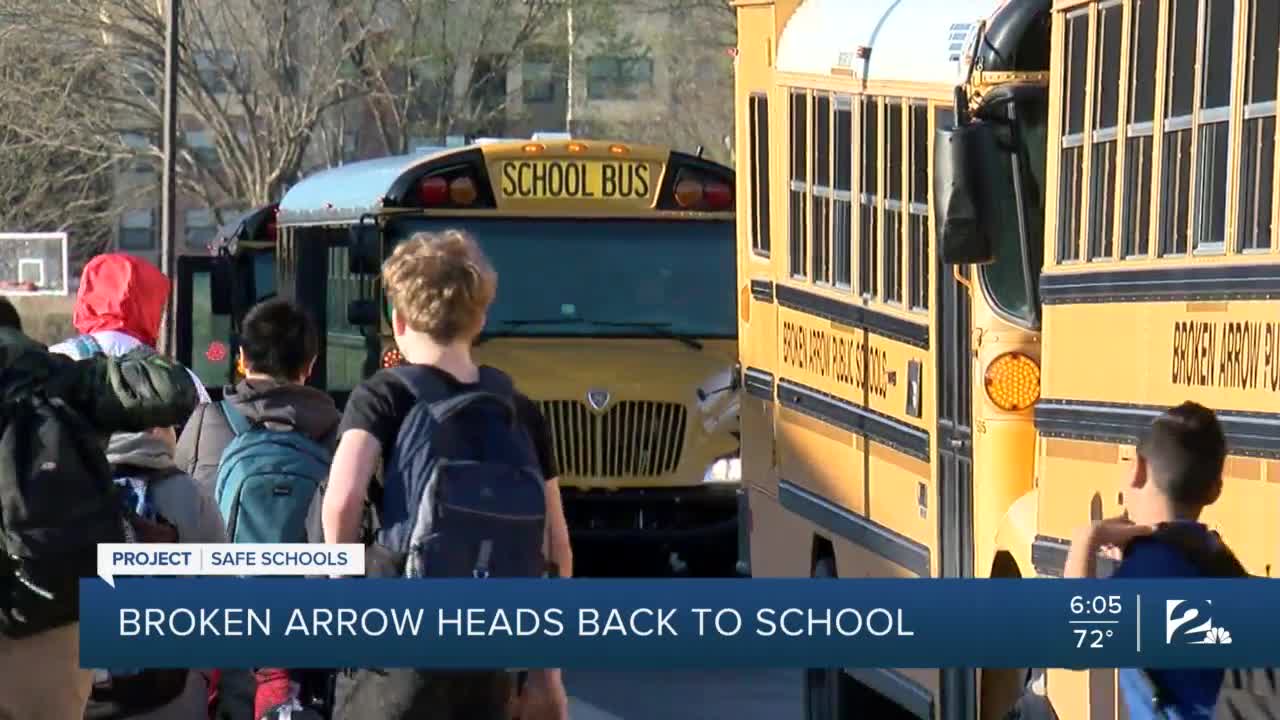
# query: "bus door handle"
958 444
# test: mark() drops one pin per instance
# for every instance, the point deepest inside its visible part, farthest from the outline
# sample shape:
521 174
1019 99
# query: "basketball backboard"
33 264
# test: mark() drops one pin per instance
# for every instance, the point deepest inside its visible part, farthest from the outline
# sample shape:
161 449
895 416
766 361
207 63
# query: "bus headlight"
726 470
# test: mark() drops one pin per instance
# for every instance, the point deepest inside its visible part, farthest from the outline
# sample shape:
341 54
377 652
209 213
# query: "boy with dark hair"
1177 474
278 347
9 317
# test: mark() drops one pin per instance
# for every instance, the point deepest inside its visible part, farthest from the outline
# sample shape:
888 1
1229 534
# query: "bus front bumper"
685 515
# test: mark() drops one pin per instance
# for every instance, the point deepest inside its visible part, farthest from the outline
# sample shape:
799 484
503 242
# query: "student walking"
405 419
63 490
278 347
1178 473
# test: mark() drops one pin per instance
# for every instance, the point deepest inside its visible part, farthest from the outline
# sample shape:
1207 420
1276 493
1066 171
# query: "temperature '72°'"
1092 636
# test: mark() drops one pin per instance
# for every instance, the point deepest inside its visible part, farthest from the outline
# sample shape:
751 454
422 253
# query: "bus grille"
631 439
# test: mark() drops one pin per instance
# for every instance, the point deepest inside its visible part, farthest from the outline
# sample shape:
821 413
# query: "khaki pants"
40 676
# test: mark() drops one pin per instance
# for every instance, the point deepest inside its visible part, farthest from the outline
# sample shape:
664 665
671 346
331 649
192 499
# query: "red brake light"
719 196
217 352
392 357
433 191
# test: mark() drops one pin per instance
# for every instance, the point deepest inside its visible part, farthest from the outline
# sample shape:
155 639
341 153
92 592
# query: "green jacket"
126 394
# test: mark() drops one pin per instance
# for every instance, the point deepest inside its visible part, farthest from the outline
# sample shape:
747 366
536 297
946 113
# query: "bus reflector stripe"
852 418
1248 433
758 383
851 315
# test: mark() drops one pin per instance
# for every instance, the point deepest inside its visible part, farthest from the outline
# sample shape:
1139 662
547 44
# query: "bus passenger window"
799 161
843 153
1213 135
1135 229
918 228
893 166
821 173
1071 163
1257 163
1106 117
869 189
1175 191
758 117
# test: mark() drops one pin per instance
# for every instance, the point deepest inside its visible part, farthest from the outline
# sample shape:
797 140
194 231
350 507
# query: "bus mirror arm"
735 382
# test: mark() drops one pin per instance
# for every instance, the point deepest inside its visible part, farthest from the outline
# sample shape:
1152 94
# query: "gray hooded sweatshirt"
176 497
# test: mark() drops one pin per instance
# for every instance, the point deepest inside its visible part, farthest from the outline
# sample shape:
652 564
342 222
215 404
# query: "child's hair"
279 339
9 317
441 284
1185 450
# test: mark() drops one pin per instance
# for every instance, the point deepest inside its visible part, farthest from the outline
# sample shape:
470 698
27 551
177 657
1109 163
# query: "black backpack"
57 502
1247 693
463 495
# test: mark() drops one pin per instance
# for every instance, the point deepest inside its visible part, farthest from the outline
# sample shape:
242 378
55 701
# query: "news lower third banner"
640 624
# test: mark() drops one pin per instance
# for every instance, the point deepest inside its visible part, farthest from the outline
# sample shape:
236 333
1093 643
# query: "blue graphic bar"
640 624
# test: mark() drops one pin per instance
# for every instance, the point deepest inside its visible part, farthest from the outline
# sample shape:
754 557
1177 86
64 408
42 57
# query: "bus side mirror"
960 154
364 249
362 313
220 286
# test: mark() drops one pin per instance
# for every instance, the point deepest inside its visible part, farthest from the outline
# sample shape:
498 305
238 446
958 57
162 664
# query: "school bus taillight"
694 194
437 191
1013 381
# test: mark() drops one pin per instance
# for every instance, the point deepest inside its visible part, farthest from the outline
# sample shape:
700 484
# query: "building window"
758 120
799 162
842 152
869 196
612 77
200 228
1135 229
138 230
1175 190
1257 163
202 148
1213 136
141 81
1071 162
139 145
540 74
214 68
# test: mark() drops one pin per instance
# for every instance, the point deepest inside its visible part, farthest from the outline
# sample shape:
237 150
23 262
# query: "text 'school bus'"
215 291
949 345
615 310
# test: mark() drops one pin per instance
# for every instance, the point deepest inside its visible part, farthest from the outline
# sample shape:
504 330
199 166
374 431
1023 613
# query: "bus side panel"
780 540
758 229
1225 355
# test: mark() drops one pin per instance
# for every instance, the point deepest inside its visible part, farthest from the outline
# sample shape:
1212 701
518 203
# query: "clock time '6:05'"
1096 605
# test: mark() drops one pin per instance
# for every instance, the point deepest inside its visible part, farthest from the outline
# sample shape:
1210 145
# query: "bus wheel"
827 692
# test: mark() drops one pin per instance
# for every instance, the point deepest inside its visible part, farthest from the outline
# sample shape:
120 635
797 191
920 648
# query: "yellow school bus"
1161 272
614 311
985 245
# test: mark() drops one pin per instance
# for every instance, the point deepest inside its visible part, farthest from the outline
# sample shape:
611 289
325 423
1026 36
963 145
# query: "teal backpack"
267 481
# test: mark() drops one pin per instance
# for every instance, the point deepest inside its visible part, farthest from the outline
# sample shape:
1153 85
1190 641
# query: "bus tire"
828 693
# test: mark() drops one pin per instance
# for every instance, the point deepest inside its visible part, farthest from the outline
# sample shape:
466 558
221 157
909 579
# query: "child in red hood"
119 307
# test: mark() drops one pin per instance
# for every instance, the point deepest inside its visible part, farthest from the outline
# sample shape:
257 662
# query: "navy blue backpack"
463 494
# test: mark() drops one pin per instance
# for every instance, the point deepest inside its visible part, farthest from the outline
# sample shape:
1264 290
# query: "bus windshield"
604 277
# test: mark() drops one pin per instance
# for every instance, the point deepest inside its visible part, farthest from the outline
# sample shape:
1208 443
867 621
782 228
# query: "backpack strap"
238 422
444 401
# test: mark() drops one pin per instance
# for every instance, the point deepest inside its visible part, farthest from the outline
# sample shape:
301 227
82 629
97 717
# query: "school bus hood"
627 412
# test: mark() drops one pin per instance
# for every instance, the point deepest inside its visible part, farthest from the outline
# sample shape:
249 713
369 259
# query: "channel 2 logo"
1189 621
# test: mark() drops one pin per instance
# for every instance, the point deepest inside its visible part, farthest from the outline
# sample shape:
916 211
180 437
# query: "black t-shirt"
380 404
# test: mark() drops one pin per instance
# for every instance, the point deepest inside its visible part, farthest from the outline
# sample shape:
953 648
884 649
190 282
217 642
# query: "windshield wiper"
659 329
